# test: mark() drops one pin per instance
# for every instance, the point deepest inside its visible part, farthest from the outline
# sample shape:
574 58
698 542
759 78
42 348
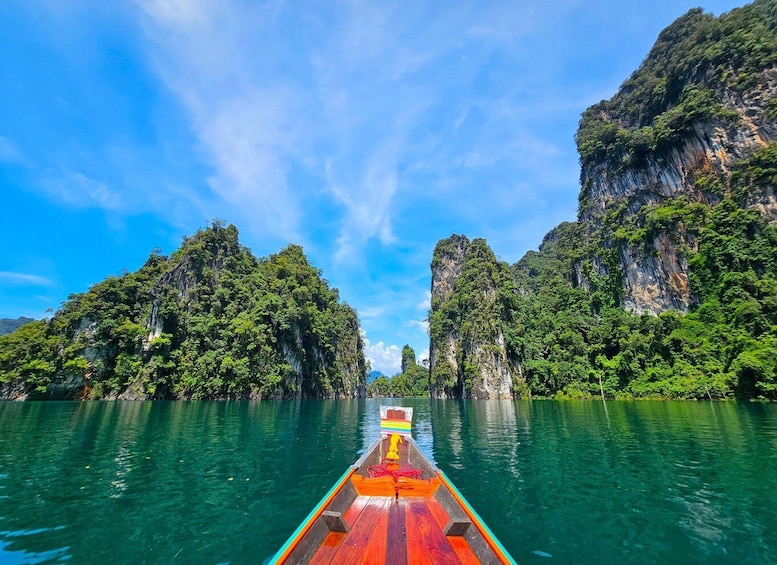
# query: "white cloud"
355 100
422 325
78 190
214 57
426 303
384 358
371 312
367 203
24 279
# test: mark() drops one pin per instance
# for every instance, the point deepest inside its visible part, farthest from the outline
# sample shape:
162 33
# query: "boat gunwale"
293 541
485 531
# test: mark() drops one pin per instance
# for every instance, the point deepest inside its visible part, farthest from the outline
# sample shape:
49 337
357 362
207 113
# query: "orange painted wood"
380 486
396 537
463 550
328 549
500 554
302 531
418 487
440 549
417 552
355 509
385 486
375 550
438 512
353 547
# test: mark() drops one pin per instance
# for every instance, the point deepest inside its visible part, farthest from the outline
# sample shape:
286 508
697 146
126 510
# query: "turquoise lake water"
227 482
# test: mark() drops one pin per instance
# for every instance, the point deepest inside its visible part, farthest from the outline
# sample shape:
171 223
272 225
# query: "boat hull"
394 512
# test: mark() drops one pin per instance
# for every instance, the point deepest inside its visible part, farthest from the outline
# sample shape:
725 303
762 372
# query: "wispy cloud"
426 303
370 312
367 202
76 189
241 111
10 153
25 279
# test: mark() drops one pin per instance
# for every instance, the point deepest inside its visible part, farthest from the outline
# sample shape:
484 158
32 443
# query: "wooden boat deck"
385 530
393 506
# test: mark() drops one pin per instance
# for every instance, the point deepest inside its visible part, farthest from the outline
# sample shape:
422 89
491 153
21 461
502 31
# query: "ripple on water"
637 483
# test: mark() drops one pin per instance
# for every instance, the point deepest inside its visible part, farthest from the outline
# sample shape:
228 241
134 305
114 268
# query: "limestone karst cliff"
666 285
211 321
468 356
702 101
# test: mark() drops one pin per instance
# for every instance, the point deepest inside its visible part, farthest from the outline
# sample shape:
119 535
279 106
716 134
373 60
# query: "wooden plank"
356 508
328 549
379 486
438 511
457 527
375 550
418 487
440 549
352 548
386 486
417 552
396 537
308 536
493 552
343 500
309 544
464 551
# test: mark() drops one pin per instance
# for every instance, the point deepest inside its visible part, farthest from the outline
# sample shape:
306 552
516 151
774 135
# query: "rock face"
688 140
702 100
655 272
468 354
212 321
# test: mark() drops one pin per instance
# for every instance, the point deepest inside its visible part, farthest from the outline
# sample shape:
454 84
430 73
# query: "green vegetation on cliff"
479 310
675 87
677 225
211 321
576 342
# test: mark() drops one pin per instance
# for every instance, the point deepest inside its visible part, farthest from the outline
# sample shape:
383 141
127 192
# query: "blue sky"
363 131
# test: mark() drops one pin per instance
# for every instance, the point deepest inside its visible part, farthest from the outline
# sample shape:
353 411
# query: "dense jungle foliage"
412 381
571 341
577 342
678 84
211 321
481 307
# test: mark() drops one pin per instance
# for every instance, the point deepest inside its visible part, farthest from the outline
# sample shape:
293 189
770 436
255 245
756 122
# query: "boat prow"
393 506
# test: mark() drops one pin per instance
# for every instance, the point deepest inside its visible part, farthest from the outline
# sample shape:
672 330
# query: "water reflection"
192 481
643 482
422 422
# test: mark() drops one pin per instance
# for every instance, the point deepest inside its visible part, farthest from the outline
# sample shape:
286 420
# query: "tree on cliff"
212 321
673 162
413 381
408 358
